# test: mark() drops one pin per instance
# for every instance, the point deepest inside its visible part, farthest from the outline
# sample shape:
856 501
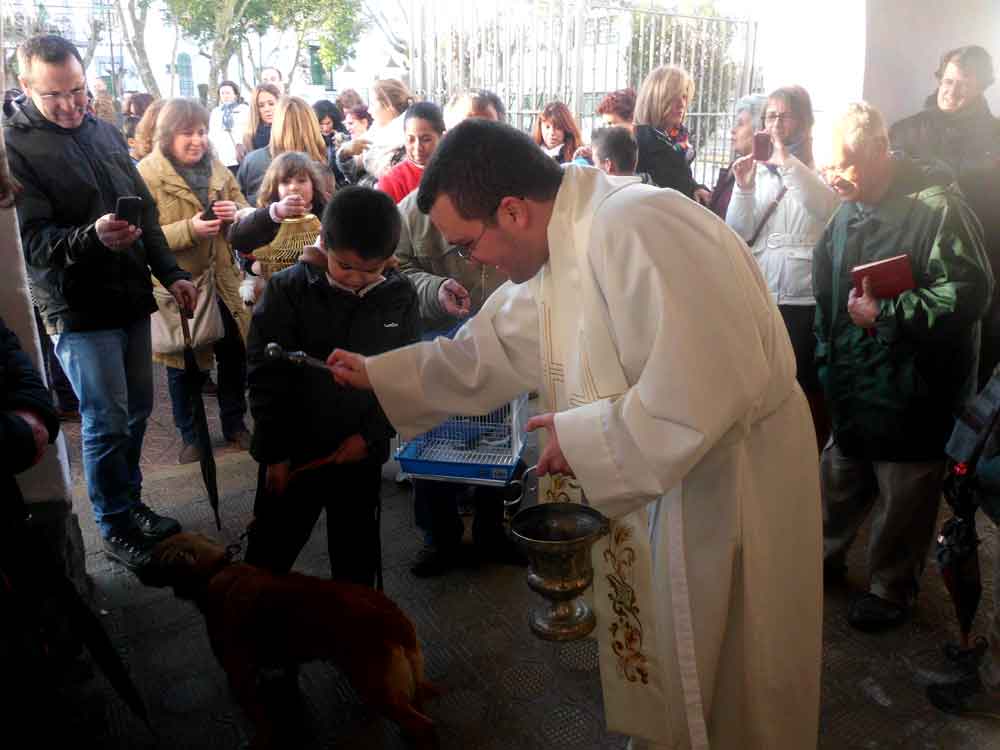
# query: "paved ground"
504 688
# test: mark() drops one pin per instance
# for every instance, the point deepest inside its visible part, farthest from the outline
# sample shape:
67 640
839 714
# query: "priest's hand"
552 460
863 308
349 369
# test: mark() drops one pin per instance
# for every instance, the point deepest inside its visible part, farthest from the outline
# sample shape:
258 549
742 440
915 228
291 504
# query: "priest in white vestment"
668 383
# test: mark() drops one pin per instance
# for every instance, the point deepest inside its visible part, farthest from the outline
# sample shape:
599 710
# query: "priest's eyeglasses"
465 251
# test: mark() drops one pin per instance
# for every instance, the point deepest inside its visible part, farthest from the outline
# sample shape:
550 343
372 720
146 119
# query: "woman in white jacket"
780 207
227 123
381 148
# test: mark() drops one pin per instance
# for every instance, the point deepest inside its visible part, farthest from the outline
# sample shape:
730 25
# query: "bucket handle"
522 483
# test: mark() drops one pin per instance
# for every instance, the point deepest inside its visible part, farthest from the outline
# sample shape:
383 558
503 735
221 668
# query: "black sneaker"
966 697
151 524
871 613
966 660
129 546
432 561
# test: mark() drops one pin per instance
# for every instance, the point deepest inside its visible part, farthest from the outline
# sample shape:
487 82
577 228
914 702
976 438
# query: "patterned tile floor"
503 688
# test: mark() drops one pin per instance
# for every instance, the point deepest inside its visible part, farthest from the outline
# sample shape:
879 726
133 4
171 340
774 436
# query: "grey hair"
755 104
863 128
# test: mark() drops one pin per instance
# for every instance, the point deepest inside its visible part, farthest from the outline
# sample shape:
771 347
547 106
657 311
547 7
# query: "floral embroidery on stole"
631 677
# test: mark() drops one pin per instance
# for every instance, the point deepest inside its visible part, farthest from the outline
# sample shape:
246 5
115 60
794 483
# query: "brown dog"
257 619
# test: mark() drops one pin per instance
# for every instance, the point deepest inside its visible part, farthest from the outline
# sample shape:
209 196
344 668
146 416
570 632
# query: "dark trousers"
436 510
349 493
231 356
59 384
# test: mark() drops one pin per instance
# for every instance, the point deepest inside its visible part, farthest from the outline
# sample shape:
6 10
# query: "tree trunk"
173 59
135 40
227 17
299 38
96 27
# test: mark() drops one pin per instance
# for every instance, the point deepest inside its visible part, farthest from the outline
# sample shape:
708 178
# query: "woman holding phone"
197 197
780 206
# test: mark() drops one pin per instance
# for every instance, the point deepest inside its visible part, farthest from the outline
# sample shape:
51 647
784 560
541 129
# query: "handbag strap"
767 215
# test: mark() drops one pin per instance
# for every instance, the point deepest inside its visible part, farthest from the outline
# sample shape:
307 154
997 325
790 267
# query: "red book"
889 278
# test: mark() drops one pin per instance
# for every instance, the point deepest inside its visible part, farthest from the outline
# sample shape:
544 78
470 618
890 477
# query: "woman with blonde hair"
257 134
382 146
197 198
295 128
665 152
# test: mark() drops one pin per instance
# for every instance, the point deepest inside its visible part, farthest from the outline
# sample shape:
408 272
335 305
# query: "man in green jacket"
894 370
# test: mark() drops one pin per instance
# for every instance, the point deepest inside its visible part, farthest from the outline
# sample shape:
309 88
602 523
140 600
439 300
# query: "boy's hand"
352 450
276 480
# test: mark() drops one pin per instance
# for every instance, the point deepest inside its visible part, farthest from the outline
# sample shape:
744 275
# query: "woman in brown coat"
186 179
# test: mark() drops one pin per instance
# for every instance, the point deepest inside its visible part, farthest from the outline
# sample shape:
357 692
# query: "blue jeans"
111 372
231 356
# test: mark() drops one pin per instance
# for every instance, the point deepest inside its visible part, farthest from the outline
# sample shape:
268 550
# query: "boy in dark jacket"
301 415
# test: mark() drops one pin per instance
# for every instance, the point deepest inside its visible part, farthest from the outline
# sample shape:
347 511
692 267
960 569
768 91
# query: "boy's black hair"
618 145
362 220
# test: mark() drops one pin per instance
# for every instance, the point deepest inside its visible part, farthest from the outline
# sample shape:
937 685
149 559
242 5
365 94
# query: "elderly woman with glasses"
749 115
780 207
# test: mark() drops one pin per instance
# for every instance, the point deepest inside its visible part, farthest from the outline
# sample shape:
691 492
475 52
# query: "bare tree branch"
377 17
135 41
96 27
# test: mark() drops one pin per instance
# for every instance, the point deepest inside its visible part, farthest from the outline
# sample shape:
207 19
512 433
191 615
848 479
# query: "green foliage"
340 31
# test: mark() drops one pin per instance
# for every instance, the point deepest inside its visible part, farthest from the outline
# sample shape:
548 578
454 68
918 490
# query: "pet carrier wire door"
474 450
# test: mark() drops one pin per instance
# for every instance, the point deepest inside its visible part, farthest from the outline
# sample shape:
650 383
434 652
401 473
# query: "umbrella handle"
186 329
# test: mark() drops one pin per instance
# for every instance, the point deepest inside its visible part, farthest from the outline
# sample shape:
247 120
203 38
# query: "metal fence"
532 52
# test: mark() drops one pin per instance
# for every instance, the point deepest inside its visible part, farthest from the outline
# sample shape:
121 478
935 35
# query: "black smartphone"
129 208
763 147
208 214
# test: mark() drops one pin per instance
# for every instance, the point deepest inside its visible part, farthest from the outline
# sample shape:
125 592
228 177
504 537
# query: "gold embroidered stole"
580 365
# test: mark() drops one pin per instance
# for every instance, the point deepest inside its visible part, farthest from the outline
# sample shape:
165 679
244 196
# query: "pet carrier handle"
522 483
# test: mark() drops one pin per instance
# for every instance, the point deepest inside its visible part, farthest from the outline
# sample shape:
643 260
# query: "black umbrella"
192 381
957 553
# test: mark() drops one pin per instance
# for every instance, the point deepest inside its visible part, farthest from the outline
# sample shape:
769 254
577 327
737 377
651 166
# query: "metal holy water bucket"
557 537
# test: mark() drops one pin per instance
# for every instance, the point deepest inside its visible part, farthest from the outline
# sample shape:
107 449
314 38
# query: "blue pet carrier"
474 450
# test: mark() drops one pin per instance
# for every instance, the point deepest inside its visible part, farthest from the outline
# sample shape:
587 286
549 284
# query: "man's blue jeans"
112 374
